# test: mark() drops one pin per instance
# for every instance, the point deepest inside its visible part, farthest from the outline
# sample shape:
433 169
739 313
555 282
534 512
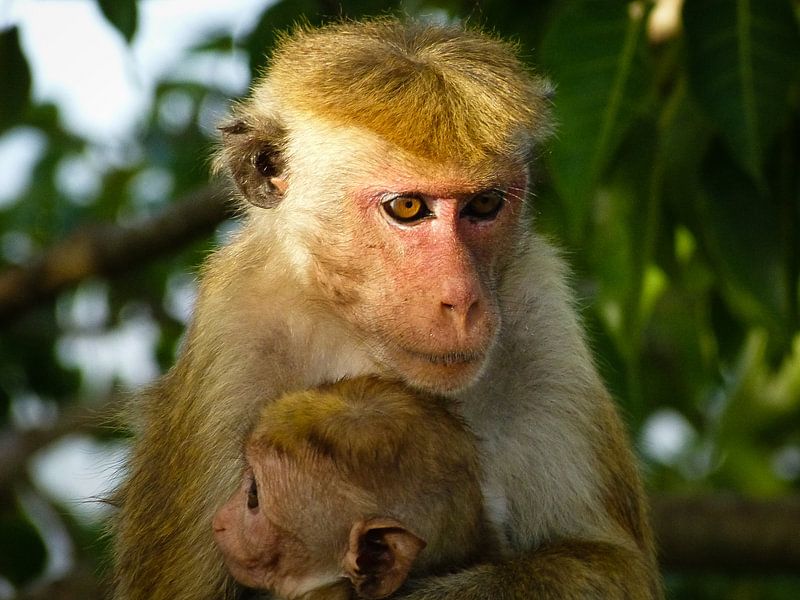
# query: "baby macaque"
348 489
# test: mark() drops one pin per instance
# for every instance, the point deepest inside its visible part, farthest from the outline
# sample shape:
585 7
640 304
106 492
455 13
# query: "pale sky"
102 85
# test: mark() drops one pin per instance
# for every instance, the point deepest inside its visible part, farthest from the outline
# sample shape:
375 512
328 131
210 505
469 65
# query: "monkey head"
353 480
292 544
406 180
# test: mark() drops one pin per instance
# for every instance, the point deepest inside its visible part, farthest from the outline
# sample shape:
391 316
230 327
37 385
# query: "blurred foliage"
673 185
121 15
17 82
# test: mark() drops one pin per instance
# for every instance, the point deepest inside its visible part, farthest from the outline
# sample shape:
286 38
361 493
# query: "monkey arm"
610 557
564 570
605 552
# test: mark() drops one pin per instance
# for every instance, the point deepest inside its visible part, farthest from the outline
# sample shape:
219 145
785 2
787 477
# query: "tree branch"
110 250
719 532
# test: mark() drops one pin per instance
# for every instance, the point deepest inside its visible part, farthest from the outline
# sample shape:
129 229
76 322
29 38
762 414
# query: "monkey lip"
449 359
439 372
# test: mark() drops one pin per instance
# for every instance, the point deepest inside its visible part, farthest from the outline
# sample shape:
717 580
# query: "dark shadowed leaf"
22 552
741 233
594 53
122 14
525 26
742 60
283 15
278 18
356 9
15 89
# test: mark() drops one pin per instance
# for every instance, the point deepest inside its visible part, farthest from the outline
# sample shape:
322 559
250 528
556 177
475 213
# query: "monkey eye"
406 208
252 495
485 205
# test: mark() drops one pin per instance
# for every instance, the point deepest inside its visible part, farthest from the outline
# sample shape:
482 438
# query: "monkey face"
250 542
415 264
261 546
410 252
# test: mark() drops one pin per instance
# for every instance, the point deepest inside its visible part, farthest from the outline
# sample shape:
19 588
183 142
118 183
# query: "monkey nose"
464 313
460 301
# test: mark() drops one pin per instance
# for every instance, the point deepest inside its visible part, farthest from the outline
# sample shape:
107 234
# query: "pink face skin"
253 546
431 295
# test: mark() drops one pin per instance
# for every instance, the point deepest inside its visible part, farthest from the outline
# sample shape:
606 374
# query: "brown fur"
478 310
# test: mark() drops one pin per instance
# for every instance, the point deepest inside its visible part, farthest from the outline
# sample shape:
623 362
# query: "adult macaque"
389 233
349 487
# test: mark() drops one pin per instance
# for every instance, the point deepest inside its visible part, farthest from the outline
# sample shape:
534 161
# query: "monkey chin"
443 373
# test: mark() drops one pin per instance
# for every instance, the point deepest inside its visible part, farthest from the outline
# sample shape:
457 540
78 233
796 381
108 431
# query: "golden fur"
461 95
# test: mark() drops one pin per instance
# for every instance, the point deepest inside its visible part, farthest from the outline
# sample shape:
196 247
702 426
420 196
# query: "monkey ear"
253 157
379 557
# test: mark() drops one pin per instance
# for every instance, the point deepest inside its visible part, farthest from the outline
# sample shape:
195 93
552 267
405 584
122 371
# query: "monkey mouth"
439 372
449 359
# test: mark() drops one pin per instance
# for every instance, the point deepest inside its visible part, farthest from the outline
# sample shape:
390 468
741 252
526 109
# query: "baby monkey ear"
379 557
253 156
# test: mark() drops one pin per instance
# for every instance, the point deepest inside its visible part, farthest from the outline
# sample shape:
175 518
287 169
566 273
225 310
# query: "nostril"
460 300
465 314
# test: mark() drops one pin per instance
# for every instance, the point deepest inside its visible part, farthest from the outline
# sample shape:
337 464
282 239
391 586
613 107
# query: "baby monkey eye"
252 495
485 205
406 208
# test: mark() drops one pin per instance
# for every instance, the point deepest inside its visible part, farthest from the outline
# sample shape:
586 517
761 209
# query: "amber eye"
252 495
406 208
485 205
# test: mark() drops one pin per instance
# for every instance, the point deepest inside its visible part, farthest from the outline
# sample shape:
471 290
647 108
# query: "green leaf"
122 14
741 234
15 91
685 135
743 57
595 55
